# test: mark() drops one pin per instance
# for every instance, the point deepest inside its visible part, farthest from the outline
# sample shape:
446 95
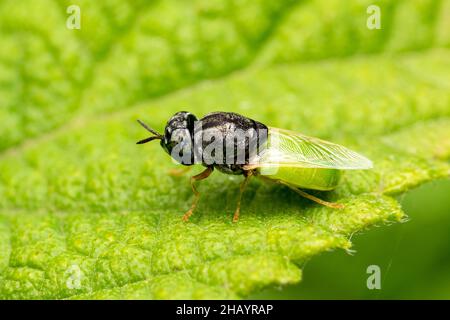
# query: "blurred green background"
74 186
414 257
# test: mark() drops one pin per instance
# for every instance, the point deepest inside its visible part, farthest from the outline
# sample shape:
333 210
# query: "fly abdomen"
307 178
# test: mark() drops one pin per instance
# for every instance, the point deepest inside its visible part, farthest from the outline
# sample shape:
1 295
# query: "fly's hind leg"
242 187
203 175
333 205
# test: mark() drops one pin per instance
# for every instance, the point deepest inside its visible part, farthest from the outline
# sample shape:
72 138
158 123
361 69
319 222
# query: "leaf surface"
85 213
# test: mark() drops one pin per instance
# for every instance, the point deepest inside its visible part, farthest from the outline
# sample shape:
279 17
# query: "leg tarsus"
203 175
242 187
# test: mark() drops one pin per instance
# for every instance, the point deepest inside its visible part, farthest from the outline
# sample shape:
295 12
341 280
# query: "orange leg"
241 191
203 175
177 172
313 198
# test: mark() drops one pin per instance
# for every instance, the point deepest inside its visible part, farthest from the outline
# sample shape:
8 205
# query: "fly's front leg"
177 172
333 205
205 174
242 187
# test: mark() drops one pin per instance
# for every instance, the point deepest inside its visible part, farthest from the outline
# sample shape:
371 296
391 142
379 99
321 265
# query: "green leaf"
85 213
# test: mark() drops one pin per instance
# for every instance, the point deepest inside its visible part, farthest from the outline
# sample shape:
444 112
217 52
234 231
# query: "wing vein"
288 148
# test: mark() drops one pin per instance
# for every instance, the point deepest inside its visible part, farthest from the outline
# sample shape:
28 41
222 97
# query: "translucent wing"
292 149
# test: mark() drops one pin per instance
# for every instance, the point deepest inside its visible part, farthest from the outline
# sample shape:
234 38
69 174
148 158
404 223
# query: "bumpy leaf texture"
85 213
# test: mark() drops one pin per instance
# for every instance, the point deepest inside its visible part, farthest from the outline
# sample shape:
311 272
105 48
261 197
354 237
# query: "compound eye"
174 137
180 135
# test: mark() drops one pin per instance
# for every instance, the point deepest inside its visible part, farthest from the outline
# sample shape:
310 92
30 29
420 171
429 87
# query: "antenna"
156 134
